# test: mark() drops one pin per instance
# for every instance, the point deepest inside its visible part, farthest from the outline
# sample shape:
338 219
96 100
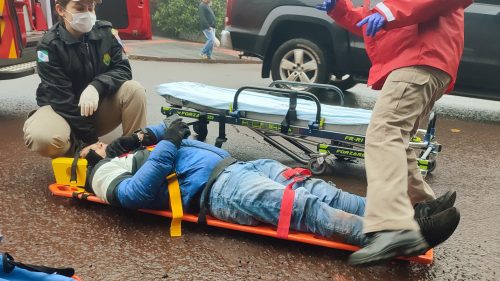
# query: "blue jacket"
144 185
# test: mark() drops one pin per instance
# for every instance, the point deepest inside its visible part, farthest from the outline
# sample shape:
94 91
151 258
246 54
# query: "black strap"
74 166
9 264
200 127
78 145
291 114
205 194
84 195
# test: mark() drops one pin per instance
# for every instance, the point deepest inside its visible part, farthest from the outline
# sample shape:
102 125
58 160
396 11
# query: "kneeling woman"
86 89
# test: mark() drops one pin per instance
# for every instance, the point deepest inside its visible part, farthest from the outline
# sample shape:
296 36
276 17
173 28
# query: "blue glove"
375 22
327 5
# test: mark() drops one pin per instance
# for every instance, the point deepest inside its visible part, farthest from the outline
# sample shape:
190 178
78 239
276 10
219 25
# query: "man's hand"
148 137
327 5
89 100
176 132
123 145
375 22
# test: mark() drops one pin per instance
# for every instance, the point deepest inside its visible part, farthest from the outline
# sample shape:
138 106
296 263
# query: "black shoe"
439 227
386 245
431 207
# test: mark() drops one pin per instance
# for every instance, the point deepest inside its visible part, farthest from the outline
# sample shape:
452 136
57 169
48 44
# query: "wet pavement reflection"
106 243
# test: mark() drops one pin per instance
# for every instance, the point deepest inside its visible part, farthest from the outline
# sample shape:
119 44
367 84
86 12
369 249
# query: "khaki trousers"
394 180
47 133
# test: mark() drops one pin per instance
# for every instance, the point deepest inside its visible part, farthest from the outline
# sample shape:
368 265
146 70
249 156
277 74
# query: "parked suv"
300 43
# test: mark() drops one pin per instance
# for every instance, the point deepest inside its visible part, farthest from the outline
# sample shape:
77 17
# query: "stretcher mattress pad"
263 107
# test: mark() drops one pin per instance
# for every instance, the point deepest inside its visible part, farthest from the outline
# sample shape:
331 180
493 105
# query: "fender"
338 36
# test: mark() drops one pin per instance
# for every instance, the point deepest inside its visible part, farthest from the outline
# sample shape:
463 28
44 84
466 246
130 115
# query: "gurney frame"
341 146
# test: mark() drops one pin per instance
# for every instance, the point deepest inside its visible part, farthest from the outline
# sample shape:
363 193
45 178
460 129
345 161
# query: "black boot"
430 207
386 245
439 227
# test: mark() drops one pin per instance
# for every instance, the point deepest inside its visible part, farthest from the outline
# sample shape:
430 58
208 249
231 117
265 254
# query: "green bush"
179 18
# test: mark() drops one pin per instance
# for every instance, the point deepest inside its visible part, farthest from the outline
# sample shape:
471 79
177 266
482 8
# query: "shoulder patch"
106 59
42 56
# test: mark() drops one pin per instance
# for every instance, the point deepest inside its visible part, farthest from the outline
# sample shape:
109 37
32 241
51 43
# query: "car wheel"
344 83
300 60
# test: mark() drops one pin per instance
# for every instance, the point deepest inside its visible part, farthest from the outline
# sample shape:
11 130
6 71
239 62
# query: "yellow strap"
174 192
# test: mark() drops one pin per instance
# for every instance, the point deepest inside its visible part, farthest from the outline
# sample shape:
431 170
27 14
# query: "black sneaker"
431 207
439 227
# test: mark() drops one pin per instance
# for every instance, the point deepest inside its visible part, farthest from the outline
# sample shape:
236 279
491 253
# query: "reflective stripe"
174 192
387 12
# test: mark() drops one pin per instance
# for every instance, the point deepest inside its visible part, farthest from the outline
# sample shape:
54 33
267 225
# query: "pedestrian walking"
415 48
207 22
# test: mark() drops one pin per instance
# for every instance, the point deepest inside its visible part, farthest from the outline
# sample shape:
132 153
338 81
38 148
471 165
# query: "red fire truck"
23 23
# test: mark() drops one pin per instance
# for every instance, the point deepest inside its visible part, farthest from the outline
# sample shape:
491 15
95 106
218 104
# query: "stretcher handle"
280 92
337 90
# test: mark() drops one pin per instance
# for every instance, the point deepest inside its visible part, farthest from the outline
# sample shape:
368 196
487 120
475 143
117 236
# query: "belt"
205 194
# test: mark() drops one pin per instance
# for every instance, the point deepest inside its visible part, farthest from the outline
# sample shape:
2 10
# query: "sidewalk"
166 49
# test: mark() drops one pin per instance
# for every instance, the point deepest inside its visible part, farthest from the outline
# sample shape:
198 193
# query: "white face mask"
82 22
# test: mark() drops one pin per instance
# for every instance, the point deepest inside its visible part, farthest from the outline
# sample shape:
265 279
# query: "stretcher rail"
335 89
293 95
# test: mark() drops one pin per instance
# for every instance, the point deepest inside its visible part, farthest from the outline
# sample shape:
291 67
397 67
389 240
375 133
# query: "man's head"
94 153
78 16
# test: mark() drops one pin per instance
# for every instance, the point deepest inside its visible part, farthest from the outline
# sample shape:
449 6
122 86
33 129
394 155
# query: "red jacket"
423 32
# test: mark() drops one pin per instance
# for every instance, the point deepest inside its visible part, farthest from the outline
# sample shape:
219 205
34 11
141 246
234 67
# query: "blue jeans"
209 45
250 193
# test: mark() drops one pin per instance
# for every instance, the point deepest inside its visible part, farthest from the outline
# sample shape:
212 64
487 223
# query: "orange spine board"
265 230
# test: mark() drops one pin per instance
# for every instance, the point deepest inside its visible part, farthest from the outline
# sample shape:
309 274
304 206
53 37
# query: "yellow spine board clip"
174 192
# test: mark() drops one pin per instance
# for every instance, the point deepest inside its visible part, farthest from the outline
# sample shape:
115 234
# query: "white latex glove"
89 100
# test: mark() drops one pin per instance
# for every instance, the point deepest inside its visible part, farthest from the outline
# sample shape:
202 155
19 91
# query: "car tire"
291 57
343 83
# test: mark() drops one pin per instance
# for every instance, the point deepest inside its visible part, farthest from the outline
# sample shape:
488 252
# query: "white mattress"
221 98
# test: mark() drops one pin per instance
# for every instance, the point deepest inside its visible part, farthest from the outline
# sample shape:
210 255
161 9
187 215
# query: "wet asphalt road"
105 243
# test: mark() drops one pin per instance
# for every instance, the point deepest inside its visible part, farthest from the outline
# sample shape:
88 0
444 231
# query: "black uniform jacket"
67 65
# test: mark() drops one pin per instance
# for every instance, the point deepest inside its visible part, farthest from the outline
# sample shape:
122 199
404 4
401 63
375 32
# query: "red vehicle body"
132 18
23 23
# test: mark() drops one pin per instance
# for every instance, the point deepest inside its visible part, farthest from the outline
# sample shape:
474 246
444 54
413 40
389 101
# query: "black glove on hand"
176 132
123 145
149 138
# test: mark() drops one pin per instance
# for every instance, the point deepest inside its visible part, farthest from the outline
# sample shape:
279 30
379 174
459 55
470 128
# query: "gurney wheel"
317 166
432 166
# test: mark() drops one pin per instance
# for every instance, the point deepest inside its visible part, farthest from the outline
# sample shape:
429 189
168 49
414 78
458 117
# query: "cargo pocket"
410 89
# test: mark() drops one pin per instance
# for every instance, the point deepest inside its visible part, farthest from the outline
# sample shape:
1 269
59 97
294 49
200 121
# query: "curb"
184 60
